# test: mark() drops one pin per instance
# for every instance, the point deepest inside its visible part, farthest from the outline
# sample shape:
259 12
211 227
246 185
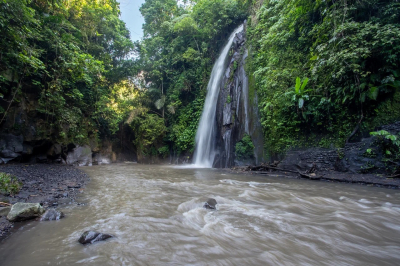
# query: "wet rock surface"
210 204
25 211
237 109
89 237
80 155
4 211
52 215
51 185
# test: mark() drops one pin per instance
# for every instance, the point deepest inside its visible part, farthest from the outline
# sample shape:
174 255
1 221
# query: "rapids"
156 215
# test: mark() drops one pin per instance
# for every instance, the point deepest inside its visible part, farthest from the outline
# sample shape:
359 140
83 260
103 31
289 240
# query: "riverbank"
52 185
376 180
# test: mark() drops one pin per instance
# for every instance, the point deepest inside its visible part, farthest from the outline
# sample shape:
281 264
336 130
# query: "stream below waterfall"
156 215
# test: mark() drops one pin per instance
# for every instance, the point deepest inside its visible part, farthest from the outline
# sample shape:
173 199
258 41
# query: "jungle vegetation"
325 72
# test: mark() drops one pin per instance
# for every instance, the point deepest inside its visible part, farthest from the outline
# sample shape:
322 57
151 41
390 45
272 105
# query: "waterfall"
205 137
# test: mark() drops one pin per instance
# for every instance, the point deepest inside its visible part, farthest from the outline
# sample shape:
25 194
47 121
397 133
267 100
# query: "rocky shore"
51 185
376 180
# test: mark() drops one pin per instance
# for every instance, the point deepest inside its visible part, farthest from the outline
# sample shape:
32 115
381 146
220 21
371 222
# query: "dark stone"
52 215
89 237
54 150
210 204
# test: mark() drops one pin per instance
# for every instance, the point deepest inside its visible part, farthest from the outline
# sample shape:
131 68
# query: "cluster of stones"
26 211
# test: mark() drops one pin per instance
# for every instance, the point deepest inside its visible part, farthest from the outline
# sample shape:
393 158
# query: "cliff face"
22 139
237 109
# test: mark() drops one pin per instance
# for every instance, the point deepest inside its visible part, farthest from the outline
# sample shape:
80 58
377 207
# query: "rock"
54 151
4 211
80 155
210 204
99 159
51 215
24 211
27 150
89 237
11 147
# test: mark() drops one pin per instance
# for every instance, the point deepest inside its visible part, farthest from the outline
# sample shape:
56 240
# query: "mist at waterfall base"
204 153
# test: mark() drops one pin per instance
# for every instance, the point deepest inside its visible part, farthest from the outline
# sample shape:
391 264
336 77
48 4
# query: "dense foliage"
65 58
348 51
324 71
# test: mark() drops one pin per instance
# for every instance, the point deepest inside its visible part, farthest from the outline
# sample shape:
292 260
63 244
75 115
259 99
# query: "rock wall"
353 158
237 109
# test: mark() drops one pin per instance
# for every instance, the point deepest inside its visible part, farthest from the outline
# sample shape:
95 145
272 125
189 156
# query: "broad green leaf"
373 93
298 85
304 84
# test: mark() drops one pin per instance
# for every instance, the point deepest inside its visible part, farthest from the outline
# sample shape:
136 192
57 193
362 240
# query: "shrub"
9 184
244 148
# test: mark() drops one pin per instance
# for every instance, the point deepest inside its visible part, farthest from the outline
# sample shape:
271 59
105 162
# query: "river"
155 213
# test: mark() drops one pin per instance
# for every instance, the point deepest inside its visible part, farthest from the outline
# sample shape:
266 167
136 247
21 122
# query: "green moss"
228 99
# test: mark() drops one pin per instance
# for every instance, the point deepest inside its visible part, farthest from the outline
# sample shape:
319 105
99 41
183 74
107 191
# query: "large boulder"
52 215
80 155
11 147
89 237
25 211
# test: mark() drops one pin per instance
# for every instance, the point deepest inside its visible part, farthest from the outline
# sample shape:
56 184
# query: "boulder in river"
80 155
51 215
89 237
24 211
210 204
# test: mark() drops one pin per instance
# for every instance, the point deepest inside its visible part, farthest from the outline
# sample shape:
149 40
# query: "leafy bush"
9 184
389 143
244 148
163 151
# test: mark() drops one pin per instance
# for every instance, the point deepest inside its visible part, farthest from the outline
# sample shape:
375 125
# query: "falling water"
205 136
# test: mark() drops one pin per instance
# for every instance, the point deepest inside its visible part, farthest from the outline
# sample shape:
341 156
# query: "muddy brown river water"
156 216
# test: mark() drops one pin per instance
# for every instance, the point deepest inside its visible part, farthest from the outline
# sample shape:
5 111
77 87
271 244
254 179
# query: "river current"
156 215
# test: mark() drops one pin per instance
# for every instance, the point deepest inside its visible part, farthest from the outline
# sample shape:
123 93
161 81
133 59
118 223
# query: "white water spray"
205 137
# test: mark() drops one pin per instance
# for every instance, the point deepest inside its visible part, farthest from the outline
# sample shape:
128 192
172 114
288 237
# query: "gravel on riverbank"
49 184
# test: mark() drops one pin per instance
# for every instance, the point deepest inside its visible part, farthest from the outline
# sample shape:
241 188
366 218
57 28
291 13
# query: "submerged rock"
210 204
51 215
25 211
89 237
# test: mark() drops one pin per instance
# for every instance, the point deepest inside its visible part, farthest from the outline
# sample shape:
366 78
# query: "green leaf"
373 93
304 84
298 85
362 97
